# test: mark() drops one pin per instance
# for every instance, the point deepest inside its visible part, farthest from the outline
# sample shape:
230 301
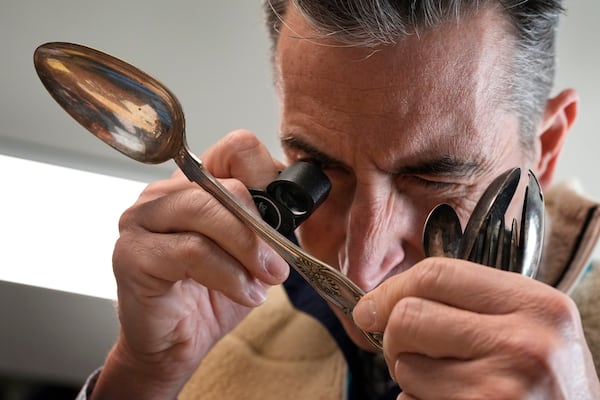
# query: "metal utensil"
532 228
136 115
517 249
442 233
494 201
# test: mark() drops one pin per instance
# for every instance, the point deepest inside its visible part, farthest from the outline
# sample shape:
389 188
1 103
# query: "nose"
380 229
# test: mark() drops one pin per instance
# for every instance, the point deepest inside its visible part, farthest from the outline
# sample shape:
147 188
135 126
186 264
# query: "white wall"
212 54
578 66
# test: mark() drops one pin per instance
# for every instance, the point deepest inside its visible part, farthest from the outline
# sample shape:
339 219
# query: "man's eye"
325 165
319 163
431 184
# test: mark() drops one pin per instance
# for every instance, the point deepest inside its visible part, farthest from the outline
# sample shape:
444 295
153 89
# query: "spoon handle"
329 283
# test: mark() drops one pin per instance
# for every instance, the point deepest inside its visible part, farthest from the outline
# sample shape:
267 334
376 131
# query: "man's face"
398 130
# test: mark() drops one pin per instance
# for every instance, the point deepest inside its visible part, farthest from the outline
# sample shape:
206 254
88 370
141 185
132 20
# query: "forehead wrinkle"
445 133
430 99
442 94
366 101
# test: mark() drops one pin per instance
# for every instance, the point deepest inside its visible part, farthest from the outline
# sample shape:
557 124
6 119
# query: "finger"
437 330
196 211
241 155
406 396
424 377
160 188
427 378
165 259
458 283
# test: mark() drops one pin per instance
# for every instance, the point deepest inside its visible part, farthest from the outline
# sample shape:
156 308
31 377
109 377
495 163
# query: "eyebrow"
442 165
295 143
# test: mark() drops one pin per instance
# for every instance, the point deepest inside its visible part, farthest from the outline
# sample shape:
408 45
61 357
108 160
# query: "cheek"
323 234
321 237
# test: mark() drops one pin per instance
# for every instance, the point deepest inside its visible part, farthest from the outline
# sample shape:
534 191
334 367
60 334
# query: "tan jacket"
278 352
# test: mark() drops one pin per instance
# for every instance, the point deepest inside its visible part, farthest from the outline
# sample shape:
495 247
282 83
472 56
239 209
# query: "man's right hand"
188 272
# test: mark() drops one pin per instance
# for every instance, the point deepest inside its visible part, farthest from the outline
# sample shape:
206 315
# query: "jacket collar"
572 232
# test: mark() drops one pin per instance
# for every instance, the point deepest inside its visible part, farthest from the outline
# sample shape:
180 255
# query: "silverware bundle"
487 239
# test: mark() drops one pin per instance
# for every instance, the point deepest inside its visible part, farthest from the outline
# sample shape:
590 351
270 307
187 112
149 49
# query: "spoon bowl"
121 105
442 233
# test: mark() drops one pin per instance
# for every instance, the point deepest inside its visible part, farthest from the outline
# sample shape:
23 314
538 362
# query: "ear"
559 116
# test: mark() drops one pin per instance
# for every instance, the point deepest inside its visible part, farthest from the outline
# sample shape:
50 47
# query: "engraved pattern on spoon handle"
334 288
329 283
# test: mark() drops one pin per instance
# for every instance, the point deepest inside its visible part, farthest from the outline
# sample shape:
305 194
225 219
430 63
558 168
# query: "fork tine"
487 249
486 242
477 250
513 264
501 261
493 241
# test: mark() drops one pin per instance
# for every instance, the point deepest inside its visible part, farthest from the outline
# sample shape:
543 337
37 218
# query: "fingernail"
257 293
275 265
364 314
393 370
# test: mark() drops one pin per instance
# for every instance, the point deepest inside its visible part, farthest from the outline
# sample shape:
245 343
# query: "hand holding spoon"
135 114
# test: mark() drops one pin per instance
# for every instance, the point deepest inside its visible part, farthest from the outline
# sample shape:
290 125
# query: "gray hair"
366 23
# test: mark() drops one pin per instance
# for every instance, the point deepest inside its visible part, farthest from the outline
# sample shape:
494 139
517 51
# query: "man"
404 105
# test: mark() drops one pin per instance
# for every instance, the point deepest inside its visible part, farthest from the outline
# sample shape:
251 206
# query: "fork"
517 249
497 246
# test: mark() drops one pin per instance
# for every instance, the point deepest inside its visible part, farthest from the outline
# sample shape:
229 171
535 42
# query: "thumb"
242 156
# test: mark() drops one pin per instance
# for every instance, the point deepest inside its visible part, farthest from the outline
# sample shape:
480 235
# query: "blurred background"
63 190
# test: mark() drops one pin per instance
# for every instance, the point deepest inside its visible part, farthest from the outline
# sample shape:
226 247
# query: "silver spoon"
442 233
135 114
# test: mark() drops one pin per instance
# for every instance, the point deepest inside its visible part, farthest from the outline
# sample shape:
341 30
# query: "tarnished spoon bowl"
442 234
